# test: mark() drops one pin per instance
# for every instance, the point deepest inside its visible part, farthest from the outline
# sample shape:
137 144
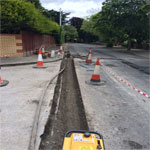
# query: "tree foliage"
55 15
120 20
36 3
19 15
70 32
76 22
88 26
126 17
89 30
51 14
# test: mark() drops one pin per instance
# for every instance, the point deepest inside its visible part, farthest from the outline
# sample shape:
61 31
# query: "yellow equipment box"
83 140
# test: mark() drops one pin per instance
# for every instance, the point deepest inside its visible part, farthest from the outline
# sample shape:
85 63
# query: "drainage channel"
67 111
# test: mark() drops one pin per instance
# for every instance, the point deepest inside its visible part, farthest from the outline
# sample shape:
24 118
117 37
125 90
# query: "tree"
20 15
54 15
89 31
84 36
126 16
106 31
51 14
70 32
76 22
36 3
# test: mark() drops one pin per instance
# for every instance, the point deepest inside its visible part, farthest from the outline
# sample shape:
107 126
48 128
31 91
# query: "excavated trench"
67 111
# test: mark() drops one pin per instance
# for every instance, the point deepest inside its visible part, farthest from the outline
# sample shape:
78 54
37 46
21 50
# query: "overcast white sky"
77 8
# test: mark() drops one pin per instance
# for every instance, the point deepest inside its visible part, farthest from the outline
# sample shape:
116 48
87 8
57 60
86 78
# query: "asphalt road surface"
120 113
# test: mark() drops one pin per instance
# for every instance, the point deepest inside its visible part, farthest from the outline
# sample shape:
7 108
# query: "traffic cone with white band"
40 60
89 60
3 82
61 49
96 74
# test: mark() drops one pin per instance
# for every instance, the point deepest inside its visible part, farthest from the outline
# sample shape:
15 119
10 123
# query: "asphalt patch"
110 65
133 144
143 69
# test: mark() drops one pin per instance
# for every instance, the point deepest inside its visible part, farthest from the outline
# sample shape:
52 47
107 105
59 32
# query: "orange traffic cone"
61 49
96 74
89 60
3 82
40 61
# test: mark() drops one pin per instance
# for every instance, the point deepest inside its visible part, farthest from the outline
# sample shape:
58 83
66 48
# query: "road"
117 111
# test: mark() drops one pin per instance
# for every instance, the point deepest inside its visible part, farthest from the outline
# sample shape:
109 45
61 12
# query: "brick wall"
33 41
11 45
18 45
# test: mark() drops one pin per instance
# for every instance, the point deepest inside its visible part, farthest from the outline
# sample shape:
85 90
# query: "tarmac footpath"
28 87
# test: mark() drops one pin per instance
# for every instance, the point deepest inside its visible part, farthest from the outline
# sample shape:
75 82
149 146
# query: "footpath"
29 92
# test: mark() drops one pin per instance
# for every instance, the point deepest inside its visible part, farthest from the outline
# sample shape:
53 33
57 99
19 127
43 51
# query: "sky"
77 8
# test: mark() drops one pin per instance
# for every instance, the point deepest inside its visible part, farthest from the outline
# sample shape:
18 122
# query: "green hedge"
19 15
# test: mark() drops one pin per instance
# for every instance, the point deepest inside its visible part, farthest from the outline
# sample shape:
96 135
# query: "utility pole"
60 17
60 23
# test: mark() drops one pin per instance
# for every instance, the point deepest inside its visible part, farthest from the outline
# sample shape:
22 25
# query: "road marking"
125 82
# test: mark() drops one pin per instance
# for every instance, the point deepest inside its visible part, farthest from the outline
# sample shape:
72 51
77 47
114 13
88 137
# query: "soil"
67 111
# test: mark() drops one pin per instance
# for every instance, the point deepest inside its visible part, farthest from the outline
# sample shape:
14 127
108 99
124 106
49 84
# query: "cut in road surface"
67 112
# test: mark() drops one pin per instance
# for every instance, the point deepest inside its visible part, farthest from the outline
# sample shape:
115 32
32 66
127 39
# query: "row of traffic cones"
40 63
96 75
46 53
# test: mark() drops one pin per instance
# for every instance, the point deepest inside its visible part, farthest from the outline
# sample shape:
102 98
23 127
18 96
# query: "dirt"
67 111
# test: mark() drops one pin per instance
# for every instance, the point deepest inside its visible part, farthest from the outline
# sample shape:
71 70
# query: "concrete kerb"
27 63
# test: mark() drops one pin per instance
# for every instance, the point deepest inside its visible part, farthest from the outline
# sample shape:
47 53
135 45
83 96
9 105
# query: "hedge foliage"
17 15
